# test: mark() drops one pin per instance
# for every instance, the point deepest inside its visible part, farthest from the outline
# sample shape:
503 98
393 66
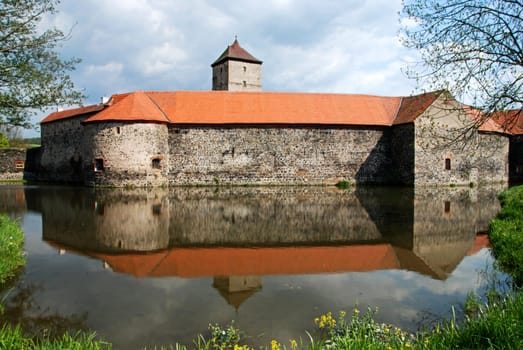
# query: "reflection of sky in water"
131 311
135 312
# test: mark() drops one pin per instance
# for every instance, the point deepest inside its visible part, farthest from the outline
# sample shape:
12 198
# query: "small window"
244 83
447 164
98 164
19 164
156 163
118 130
446 207
244 69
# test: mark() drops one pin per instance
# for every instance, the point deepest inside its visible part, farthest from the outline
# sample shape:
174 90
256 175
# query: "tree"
32 75
472 48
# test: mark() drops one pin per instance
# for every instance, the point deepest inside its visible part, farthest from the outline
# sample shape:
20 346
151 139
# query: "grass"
506 234
11 249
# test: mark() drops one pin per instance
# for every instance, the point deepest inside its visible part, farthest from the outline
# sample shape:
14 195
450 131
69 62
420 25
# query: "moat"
152 267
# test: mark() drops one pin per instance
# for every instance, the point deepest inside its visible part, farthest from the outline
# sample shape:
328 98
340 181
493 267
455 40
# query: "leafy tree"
473 48
32 75
4 142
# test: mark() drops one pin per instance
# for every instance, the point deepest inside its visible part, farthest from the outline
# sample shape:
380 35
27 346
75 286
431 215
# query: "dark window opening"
156 163
99 164
118 130
244 69
244 83
446 207
447 164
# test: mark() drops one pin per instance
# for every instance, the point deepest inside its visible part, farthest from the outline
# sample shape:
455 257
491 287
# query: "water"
152 267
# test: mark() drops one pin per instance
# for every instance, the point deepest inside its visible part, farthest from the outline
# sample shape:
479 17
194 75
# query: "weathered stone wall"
516 159
12 163
278 155
61 152
447 152
403 153
237 76
126 154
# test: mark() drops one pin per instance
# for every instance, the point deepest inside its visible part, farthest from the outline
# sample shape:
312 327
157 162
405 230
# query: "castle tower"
236 70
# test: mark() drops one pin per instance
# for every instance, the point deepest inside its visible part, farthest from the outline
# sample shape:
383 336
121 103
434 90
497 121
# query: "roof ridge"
158 107
402 98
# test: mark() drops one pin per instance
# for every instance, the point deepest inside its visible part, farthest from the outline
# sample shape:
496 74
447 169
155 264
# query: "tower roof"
236 53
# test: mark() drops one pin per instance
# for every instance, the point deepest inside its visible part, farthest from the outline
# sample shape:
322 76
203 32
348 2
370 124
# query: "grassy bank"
506 234
11 249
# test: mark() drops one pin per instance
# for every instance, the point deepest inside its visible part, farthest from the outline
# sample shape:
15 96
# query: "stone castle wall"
278 155
12 163
448 152
62 152
126 154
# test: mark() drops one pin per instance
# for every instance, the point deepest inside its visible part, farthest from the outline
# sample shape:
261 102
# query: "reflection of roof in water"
198 262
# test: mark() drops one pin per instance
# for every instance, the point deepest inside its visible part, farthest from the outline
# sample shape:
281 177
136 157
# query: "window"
156 163
98 164
118 130
244 69
446 207
447 164
19 164
244 83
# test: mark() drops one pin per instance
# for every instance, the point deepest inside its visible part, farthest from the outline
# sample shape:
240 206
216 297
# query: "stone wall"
12 163
278 155
61 152
237 76
403 153
448 151
126 154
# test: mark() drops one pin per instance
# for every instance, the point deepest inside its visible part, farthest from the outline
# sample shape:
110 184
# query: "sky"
338 46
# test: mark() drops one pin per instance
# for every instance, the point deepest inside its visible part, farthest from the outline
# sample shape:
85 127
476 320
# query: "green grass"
506 234
13 338
11 249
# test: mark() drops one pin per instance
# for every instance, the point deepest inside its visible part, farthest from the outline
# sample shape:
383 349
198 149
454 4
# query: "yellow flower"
426 341
356 311
407 345
342 313
389 347
275 345
294 344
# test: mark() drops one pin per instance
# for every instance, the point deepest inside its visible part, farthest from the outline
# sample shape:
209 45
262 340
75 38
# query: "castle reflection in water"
239 234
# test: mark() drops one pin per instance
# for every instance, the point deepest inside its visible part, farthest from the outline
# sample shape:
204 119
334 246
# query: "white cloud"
344 46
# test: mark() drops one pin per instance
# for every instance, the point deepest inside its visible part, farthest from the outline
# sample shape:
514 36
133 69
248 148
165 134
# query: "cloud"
340 46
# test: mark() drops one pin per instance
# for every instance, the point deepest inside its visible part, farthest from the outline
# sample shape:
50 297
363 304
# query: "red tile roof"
411 107
512 121
269 108
70 113
222 107
485 123
137 106
236 53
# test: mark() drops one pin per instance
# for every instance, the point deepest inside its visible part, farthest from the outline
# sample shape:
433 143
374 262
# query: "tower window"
118 130
447 164
99 164
244 69
244 83
446 207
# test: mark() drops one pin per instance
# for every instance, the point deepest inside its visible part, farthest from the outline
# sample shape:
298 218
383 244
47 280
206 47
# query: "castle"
236 134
